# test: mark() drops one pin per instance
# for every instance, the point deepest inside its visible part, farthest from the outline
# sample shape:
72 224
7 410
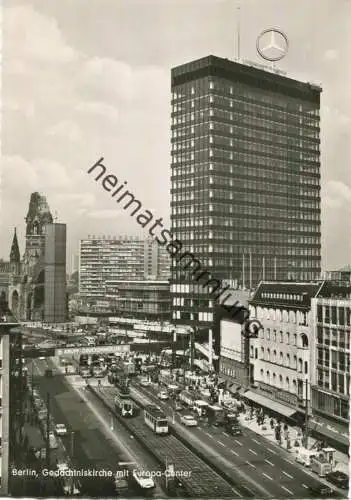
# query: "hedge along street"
164 237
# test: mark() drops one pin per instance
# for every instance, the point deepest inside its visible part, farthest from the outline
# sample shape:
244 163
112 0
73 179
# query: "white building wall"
282 352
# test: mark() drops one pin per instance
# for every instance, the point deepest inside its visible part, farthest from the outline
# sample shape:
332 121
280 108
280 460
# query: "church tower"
15 257
37 217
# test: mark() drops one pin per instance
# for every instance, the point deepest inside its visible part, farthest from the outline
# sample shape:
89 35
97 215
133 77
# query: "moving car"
321 491
144 382
340 479
163 395
188 420
60 429
144 481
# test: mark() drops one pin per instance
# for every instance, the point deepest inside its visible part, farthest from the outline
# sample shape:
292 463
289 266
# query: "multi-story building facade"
103 261
230 346
302 354
280 356
330 354
245 194
157 262
343 274
11 396
147 300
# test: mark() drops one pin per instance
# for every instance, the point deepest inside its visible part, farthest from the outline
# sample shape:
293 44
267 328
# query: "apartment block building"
103 261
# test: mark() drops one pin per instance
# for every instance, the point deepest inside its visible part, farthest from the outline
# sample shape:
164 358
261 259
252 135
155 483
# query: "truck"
216 415
200 407
305 456
320 465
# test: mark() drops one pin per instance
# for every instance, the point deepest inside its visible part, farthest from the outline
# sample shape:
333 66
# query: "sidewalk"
295 438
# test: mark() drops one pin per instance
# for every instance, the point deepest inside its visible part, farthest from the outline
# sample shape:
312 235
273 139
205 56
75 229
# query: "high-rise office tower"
245 196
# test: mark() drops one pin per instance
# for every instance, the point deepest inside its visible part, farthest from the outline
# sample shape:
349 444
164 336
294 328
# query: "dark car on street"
339 479
321 491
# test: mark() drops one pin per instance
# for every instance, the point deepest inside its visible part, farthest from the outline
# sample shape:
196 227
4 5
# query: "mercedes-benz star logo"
272 44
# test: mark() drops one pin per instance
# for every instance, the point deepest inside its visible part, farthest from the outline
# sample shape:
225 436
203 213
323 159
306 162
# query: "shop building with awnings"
284 359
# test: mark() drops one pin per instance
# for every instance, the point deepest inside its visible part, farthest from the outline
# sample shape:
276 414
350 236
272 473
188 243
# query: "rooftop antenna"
238 33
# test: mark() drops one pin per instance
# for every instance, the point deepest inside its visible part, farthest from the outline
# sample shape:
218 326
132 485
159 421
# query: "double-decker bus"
156 419
124 405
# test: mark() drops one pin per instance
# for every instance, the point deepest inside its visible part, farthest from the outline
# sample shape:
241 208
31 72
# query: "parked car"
60 429
163 395
338 478
188 421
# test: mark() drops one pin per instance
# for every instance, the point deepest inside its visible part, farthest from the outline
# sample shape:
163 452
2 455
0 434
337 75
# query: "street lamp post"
72 444
306 430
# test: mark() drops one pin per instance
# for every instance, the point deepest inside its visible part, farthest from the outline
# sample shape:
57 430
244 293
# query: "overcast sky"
89 78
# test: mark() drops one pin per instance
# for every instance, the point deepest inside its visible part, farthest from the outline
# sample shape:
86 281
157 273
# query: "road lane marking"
267 476
286 489
234 453
252 465
226 434
252 451
288 475
272 451
270 463
238 442
207 434
253 439
287 460
219 442
235 491
304 486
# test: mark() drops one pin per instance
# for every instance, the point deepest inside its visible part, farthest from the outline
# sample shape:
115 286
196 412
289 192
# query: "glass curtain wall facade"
245 194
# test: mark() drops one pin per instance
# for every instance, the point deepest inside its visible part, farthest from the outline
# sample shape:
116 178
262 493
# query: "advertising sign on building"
230 340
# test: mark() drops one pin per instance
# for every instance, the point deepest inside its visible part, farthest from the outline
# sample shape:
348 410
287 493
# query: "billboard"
230 340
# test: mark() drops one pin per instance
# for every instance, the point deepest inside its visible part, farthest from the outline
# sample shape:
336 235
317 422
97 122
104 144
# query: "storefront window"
344 410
